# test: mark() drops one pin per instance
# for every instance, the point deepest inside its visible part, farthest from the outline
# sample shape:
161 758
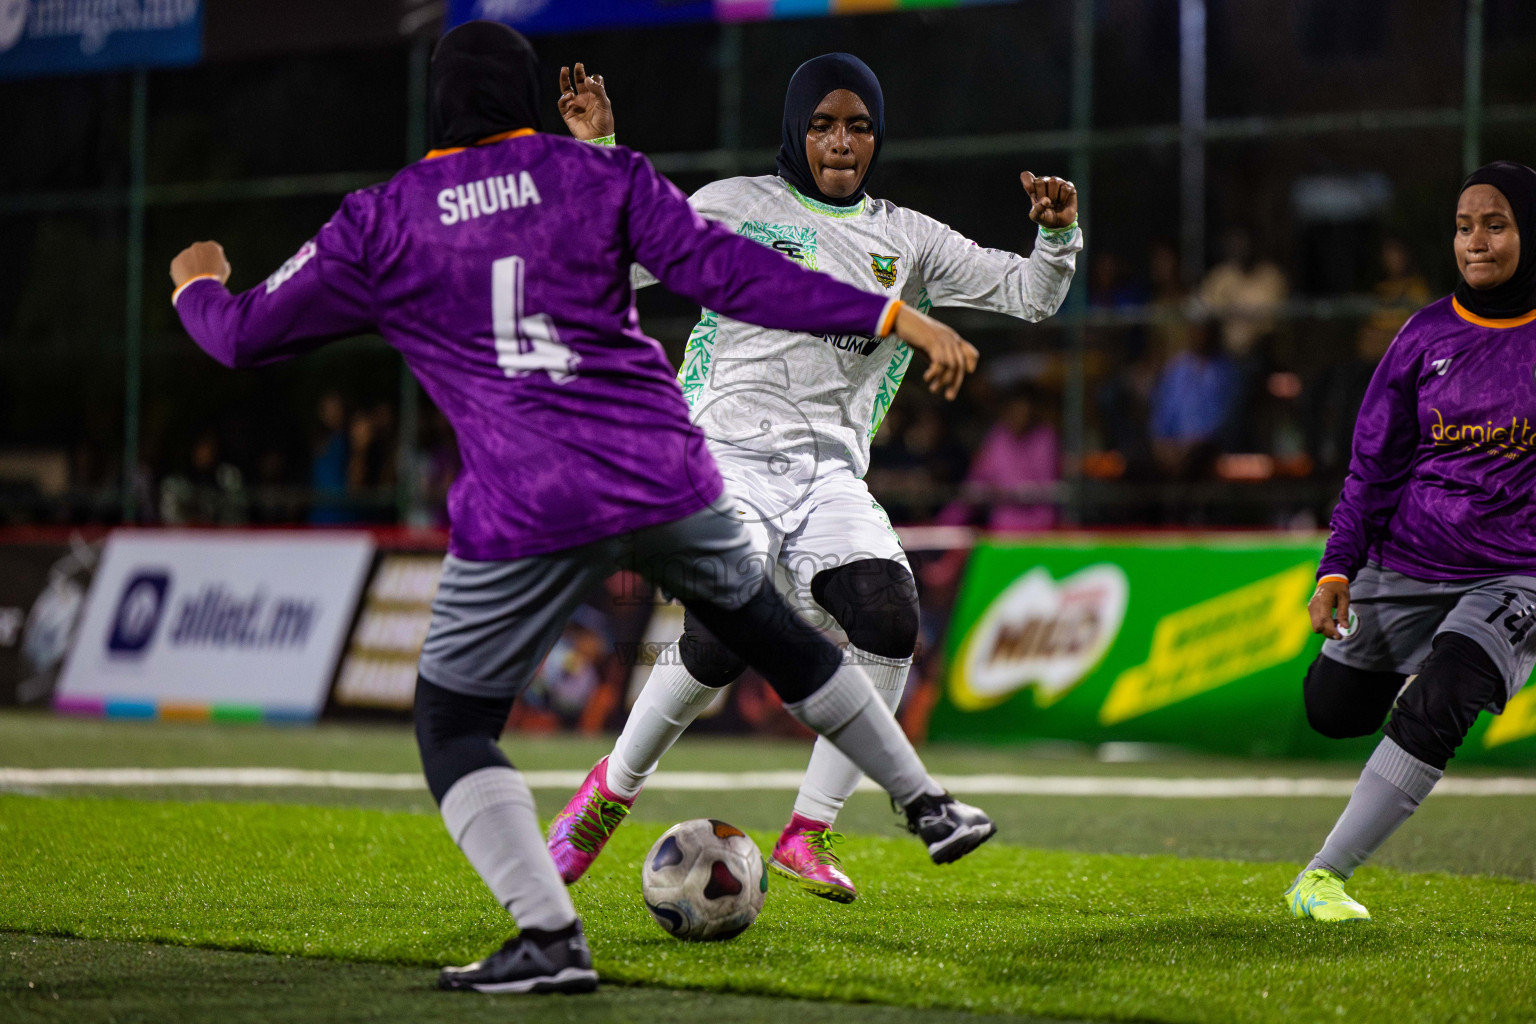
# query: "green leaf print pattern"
696 356
901 360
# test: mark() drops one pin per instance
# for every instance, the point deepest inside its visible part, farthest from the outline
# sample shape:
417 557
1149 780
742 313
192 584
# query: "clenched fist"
1053 201
198 259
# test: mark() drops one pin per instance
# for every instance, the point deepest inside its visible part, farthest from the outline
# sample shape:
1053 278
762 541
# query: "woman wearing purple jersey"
499 267
1431 567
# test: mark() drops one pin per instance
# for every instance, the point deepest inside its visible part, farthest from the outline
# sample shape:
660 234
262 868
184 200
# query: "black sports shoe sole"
569 980
961 842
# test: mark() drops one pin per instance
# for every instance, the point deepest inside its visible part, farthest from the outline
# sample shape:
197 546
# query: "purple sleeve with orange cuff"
733 275
321 294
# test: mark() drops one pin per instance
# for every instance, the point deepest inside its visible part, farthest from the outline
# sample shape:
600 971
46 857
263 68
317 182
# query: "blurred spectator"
1243 294
371 463
328 468
1192 406
1020 450
914 462
209 492
1110 286
1170 303
1400 293
1334 398
442 466
1125 396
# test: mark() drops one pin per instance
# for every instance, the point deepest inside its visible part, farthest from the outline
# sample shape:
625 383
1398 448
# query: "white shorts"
805 514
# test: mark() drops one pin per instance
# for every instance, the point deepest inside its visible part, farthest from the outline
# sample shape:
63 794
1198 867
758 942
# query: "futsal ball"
704 880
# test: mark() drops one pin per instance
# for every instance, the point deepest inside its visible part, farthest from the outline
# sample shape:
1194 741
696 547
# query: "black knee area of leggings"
875 601
705 657
766 633
1343 701
1433 715
457 734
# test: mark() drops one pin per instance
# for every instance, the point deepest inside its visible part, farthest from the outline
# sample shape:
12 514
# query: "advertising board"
42 592
539 16
379 668
228 625
1198 642
53 37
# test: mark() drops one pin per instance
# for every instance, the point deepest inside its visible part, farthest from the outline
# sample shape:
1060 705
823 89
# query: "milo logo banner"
1199 643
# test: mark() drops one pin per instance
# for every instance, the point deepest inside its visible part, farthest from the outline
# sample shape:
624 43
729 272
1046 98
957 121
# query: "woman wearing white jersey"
790 418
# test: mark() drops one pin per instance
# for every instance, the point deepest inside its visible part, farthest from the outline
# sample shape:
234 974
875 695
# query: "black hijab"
811 83
484 80
1517 296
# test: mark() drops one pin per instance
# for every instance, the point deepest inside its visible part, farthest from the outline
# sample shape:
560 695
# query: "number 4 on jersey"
525 343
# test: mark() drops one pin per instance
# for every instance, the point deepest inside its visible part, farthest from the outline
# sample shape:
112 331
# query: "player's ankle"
801 822
619 783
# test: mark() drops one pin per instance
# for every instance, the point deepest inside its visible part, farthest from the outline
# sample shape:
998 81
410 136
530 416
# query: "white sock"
831 778
846 711
490 815
668 703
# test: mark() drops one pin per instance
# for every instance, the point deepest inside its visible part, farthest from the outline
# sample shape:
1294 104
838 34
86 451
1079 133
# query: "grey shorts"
1399 618
493 622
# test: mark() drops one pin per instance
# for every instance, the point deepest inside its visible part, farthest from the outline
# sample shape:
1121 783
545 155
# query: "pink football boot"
804 855
579 833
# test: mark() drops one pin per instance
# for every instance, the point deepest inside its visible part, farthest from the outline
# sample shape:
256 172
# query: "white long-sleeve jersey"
771 390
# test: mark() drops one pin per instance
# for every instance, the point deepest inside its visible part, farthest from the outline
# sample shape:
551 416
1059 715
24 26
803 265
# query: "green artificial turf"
1009 930
52 980
1462 835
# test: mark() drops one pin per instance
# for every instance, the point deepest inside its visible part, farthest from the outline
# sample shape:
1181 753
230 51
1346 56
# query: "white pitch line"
968 785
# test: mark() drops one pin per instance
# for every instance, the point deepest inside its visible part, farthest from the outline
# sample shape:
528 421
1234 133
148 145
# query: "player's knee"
707 659
1436 711
875 601
1344 702
457 734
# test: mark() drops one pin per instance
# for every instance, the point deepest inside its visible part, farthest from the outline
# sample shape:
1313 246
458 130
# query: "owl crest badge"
884 268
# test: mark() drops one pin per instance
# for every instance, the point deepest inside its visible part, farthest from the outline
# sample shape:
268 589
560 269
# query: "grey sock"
846 711
1390 789
490 815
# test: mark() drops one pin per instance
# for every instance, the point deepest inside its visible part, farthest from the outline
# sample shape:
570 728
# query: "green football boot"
1319 894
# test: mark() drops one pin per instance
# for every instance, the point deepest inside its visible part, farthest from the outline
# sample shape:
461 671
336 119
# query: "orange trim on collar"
1482 321
433 154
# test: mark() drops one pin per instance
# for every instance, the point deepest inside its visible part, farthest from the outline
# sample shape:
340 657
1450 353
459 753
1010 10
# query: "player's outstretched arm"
958 272
950 357
584 104
318 295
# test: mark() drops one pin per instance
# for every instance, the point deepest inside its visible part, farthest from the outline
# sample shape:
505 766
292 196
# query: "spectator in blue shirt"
1192 406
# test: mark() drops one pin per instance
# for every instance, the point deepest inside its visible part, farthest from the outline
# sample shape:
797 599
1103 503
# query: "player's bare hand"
584 104
197 260
1329 608
1052 201
950 357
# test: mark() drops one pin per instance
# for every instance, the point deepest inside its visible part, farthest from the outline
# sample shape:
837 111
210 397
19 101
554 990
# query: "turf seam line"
971 785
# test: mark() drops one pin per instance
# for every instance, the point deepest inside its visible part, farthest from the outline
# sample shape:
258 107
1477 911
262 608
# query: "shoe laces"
820 842
594 823
924 809
1327 886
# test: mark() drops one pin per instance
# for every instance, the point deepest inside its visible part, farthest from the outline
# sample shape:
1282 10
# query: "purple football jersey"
1442 477
501 273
